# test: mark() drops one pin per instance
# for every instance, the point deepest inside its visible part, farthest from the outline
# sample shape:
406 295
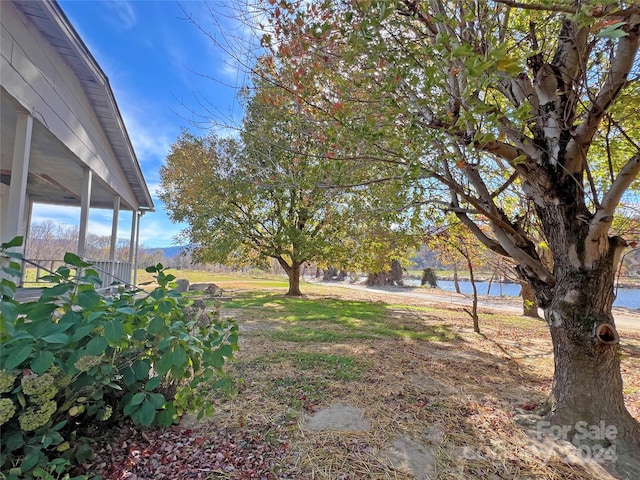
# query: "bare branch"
470 224
504 27
505 185
412 10
601 221
613 85
540 7
592 185
622 131
511 238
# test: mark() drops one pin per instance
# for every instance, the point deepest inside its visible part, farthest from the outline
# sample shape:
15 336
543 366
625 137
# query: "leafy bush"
75 358
429 277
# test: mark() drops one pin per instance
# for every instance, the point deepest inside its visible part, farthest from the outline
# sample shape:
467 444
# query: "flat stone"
411 457
182 285
337 417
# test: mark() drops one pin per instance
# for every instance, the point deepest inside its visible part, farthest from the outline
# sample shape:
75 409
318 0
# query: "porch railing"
110 272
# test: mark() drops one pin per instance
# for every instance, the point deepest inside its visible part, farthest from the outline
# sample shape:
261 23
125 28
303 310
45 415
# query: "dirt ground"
448 407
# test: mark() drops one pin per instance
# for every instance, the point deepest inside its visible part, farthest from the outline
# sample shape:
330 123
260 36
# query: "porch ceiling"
55 176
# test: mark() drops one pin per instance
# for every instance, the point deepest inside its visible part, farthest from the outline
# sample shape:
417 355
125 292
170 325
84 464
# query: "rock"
207 288
182 285
412 457
434 435
337 417
213 289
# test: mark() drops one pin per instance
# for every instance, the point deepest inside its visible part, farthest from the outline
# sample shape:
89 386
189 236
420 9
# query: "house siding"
42 82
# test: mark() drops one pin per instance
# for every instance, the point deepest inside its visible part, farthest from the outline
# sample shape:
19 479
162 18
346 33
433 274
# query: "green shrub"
429 277
75 358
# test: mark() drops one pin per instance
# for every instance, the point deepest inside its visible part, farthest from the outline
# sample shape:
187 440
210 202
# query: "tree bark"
456 285
490 283
529 303
377 279
396 273
429 276
329 273
474 308
587 391
294 280
293 273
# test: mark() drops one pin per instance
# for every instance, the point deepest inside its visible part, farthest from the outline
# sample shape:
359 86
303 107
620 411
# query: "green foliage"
74 359
278 192
429 277
455 105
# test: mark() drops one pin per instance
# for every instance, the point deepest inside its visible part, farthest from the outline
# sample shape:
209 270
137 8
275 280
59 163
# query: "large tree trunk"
429 276
377 279
294 280
396 273
293 273
587 391
329 273
342 274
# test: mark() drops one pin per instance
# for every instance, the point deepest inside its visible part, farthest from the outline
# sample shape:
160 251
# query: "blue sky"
161 68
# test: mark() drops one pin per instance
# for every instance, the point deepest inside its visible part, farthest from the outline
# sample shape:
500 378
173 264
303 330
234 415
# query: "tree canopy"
269 194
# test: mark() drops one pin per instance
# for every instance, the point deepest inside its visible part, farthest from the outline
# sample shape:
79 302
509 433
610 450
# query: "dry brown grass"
458 397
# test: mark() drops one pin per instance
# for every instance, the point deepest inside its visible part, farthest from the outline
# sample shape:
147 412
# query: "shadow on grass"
462 385
337 320
305 378
300 308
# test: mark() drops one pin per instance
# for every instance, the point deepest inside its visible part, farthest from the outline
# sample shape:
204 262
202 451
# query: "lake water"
627 297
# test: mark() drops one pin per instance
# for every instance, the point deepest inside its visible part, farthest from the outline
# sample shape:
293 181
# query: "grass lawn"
416 371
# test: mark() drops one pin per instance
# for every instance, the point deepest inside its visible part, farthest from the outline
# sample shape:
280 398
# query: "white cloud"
154 189
156 231
151 138
122 14
55 213
100 220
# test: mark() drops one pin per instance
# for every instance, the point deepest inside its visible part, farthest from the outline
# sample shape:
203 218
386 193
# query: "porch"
112 274
63 140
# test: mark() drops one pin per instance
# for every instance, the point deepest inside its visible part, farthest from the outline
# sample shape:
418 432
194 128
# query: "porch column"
139 214
85 203
114 227
13 225
114 234
132 242
27 224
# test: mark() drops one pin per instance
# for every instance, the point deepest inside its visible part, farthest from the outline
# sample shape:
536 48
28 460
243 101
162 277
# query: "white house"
63 140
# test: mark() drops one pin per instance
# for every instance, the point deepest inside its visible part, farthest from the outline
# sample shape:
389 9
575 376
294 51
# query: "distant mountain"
169 252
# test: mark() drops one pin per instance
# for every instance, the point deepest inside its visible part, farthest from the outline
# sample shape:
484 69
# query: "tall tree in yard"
266 194
492 100
245 202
